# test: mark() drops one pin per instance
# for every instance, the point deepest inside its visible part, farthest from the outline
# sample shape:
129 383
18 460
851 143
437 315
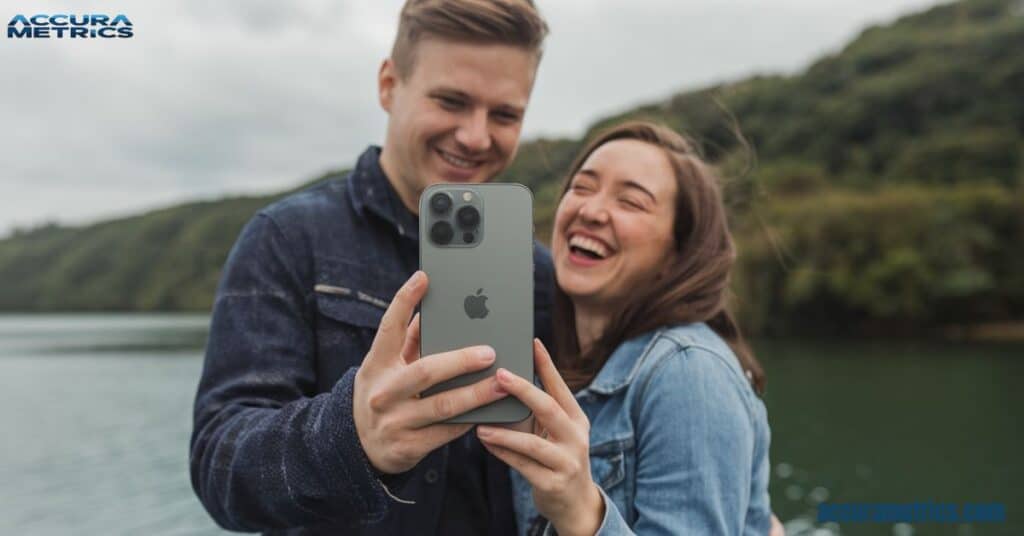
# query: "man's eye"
449 103
506 117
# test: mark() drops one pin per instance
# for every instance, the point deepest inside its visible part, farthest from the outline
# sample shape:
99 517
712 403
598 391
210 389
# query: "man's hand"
397 428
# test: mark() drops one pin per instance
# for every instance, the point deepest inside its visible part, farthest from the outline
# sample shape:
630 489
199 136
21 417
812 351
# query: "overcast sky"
244 96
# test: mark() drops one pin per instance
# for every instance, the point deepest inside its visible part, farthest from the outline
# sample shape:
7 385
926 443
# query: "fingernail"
504 375
485 354
483 431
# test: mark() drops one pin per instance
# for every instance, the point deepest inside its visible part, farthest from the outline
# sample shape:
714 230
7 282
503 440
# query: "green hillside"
166 260
884 192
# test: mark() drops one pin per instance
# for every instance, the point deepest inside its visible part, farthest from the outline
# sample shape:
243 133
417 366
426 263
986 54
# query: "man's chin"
477 176
445 172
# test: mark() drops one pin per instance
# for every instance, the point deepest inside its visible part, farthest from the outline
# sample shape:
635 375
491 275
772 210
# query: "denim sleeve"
695 450
266 451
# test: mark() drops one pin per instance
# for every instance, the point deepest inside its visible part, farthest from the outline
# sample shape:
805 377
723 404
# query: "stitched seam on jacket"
739 382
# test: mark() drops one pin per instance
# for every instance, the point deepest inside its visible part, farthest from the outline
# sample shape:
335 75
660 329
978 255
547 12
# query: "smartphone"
476 246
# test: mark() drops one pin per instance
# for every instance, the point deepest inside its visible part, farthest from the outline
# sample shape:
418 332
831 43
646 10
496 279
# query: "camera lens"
468 217
441 232
440 203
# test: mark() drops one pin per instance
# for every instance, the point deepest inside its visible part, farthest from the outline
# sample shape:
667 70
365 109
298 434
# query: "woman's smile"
586 250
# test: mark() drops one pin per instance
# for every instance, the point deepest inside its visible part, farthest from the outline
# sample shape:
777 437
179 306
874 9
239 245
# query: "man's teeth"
589 244
456 161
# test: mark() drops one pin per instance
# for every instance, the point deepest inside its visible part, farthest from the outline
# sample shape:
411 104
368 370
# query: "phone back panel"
499 266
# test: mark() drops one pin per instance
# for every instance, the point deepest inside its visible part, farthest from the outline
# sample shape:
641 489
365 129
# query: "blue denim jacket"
678 440
274 447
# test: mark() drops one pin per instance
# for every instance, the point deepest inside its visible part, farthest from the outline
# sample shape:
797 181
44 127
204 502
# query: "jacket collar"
370 190
623 365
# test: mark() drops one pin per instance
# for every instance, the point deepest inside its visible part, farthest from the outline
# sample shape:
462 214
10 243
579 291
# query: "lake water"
96 416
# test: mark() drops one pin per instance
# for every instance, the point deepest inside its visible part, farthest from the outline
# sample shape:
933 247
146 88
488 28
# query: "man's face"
456 117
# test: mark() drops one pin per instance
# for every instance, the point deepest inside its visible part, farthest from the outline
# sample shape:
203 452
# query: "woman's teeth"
589 246
456 161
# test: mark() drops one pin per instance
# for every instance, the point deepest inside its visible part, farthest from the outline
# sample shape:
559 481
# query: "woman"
656 428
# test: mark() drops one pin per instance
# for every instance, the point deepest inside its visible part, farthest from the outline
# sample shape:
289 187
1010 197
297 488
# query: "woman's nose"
472 133
593 210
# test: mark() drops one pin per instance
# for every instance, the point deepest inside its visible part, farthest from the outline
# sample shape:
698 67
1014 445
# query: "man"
307 419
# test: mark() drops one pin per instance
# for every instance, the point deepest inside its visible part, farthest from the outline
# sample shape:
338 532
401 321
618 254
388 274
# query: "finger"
435 436
387 345
533 471
445 405
411 347
547 412
430 370
553 382
525 425
539 450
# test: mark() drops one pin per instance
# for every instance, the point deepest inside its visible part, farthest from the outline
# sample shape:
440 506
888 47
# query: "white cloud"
244 95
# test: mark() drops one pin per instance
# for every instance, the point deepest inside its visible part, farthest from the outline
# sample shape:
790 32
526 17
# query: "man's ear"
387 79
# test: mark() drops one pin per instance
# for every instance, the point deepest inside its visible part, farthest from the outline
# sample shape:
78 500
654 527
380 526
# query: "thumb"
389 341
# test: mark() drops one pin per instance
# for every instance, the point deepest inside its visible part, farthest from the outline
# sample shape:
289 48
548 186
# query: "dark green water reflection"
858 421
97 415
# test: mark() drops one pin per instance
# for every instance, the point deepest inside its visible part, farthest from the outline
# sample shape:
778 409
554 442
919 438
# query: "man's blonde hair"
507 22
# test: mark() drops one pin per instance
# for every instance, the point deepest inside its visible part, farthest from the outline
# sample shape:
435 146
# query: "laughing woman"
649 421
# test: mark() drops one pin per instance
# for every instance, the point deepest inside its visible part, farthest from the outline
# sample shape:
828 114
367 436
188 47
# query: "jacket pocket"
611 467
353 293
608 470
348 309
350 301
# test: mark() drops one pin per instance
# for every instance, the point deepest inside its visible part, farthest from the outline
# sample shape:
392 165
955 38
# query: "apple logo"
475 306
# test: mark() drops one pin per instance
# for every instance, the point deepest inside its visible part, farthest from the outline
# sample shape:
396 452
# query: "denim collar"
623 365
370 190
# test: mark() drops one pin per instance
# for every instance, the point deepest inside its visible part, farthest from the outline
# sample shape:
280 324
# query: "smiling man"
304 419
455 115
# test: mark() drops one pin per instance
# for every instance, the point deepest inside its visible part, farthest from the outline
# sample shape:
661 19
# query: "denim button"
431 476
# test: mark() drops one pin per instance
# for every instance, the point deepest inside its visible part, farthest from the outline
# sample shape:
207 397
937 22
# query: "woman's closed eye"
633 204
581 186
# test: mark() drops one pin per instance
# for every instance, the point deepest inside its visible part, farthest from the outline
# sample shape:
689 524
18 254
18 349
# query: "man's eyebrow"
450 92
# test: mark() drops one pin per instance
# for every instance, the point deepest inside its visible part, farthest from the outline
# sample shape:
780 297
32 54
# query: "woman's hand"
555 458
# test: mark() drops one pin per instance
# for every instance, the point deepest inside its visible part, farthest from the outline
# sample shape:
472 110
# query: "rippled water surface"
96 417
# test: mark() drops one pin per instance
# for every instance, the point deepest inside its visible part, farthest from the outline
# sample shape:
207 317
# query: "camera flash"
467 196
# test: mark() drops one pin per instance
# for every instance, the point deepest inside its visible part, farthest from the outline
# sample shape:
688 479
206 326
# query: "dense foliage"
882 189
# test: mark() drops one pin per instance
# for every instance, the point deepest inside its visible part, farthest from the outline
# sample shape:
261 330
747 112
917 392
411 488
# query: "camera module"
440 203
441 233
468 217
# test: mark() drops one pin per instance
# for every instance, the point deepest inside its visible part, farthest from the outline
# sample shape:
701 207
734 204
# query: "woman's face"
613 227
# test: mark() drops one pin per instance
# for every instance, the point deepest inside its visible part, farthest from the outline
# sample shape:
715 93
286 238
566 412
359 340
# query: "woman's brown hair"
694 289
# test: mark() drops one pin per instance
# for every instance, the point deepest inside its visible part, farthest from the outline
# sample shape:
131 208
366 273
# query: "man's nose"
473 133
